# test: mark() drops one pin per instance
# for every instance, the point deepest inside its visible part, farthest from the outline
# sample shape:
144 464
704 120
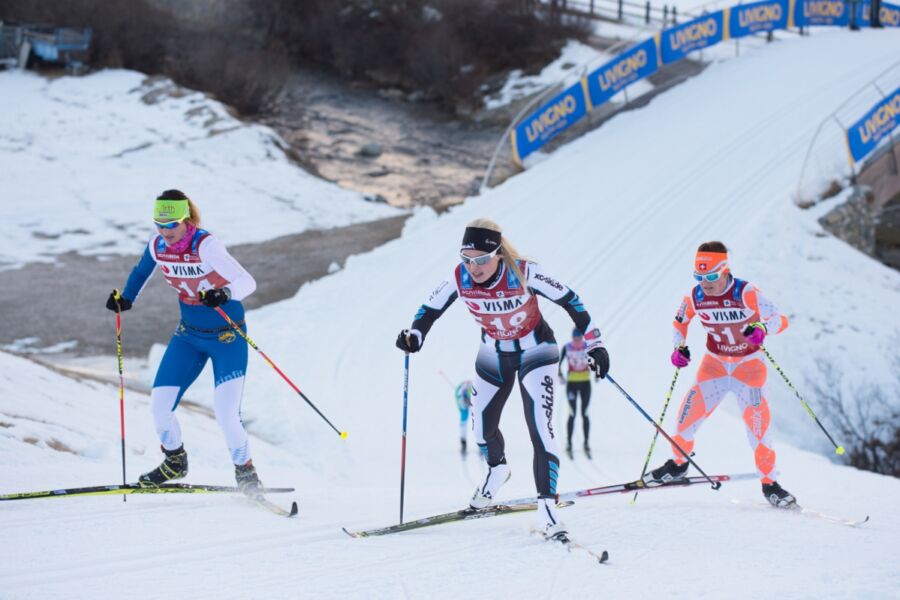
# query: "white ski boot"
548 523
484 495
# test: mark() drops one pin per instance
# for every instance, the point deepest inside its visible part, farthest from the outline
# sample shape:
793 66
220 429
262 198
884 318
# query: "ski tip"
351 533
294 509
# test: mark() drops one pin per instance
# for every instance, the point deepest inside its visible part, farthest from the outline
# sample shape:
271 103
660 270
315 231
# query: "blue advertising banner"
864 135
890 15
676 42
628 67
747 19
821 12
553 117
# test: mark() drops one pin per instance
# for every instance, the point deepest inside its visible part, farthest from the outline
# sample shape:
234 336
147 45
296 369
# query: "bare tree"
868 422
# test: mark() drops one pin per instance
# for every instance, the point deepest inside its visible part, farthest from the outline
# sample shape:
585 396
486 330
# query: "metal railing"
622 11
827 154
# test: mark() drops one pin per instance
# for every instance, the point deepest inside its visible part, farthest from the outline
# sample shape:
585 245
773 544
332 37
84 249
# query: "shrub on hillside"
444 47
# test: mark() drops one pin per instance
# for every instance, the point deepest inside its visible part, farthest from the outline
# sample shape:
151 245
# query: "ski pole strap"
838 449
715 484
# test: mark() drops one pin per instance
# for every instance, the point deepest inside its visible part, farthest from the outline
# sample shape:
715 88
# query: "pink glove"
755 333
681 356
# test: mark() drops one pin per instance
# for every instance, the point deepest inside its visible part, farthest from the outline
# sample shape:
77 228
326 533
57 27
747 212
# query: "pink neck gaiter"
181 245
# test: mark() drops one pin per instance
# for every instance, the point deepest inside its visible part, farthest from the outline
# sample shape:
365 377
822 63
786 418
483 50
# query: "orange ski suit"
732 364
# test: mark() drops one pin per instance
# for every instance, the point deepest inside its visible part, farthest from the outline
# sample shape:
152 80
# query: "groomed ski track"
617 215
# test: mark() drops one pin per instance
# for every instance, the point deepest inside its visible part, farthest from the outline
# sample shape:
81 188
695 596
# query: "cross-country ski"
133 488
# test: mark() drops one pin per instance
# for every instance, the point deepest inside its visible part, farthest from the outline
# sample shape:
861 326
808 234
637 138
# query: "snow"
616 214
93 152
576 60
566 69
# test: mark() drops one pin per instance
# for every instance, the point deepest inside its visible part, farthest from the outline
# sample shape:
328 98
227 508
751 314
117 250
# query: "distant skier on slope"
737 318
463 394
578 382
205 275
500 289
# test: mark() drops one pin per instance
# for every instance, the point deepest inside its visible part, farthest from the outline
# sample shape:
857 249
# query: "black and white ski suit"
515 340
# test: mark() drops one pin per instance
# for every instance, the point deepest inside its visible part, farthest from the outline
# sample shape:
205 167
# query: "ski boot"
669 472
587 450
778 496
174 466
569 450
548 523
462 447
247 479
484 494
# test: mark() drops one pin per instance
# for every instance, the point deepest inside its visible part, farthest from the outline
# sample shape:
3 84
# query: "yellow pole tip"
840 450
343 435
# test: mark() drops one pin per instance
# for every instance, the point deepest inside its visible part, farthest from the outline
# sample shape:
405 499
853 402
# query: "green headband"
171 210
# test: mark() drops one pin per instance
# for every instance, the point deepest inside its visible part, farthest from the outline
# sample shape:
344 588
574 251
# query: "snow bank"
83 158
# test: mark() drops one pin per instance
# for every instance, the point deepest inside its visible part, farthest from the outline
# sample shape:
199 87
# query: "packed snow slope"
83 157
617 215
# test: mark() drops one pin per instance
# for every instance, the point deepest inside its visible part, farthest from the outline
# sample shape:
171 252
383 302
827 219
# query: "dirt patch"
59 446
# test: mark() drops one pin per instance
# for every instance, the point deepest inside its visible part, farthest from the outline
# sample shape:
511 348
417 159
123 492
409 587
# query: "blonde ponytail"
195 214
508 253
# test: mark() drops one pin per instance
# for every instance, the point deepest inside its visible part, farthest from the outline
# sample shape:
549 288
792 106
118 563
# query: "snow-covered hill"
83 157
616 214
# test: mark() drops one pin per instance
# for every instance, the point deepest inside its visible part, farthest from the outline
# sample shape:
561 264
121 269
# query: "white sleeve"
241 283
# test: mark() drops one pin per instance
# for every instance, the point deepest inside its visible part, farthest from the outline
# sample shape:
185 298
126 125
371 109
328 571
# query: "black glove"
213 298
409 341
598 361
120 305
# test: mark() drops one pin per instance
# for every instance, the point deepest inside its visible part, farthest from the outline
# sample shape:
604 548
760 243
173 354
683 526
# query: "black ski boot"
587 450
778 496
462 447
569 450
247 479
670 471
175 466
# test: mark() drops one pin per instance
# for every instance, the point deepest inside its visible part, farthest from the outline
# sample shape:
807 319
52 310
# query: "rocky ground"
379 143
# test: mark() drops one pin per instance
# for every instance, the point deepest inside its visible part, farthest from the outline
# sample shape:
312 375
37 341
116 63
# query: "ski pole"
403 444
116 296
838 449
234 326
656 434
715 484
447 379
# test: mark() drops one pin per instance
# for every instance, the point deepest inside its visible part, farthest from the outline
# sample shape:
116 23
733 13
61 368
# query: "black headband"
479 238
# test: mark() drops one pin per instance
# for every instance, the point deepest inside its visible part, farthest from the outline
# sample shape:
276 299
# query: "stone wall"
854 220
